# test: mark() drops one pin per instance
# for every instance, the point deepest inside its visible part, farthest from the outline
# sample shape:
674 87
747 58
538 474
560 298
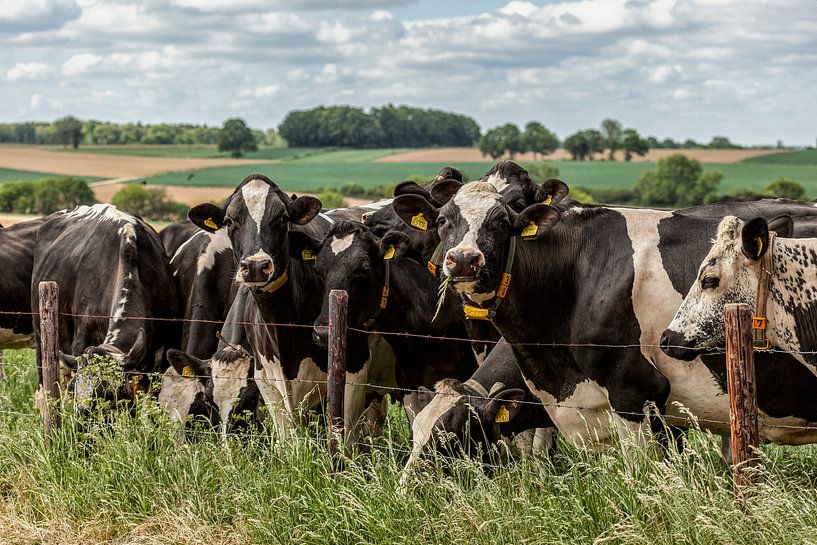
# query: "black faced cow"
600 284
112 271
16 260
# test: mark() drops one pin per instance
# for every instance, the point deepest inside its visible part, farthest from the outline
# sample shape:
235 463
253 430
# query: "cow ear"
186 365
68 361
755 238
552 192
503 406
207 216
394 243
302 246
449 173
410 188
424 396
443 191
415 211
303 210
782 225
534 221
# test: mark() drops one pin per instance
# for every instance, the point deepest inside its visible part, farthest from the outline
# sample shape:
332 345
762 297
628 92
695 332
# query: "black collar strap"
273 285
759 321
384 295
478 313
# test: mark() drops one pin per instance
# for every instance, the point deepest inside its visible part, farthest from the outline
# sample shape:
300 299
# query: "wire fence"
470 394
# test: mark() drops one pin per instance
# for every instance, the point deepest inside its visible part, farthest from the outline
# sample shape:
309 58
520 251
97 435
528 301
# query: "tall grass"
132 482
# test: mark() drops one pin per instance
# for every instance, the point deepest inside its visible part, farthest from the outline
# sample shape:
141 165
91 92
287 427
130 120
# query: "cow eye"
441 221
710 282
227 222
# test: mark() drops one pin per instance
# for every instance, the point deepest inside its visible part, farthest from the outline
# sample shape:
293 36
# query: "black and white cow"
290 369
112 270
491 405
176 234
599 283
16 261
353 259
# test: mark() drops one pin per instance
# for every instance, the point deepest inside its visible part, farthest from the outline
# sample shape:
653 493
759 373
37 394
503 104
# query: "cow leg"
354 403
270 386
544 440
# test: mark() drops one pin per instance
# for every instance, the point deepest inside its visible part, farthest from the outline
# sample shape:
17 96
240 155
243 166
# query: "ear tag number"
502 415
419 222
759 246
548 199
389 253
187 371
210 223
307 255
530 232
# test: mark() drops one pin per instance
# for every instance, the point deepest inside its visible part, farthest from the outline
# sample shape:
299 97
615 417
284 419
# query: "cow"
598 284
114 279
389 293
176 234
492 404
290 369
16 261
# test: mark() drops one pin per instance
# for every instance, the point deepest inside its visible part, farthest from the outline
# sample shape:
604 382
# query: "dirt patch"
103 165
473 155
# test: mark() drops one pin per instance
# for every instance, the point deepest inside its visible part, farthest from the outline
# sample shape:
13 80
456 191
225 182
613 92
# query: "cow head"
105 375
352 258
474 226
456 419
186 392
729 274
257 217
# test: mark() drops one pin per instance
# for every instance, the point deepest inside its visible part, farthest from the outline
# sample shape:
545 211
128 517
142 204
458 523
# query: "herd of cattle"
486 308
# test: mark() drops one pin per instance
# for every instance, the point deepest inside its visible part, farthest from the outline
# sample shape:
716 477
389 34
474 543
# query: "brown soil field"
102 165
473 155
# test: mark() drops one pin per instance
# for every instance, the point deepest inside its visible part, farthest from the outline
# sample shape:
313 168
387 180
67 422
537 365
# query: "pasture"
131 481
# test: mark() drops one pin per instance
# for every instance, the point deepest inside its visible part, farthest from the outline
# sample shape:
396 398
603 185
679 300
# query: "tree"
69 129
787 189
492 144
538 139
634 144
236 138
677 181
576 144
331 199
721 142
595 142
611 131
149 203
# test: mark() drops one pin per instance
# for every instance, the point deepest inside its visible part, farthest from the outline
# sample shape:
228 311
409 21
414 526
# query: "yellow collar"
275 285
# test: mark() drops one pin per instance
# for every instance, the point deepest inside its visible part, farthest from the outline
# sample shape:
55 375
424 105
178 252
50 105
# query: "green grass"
130 481
8 175
801 157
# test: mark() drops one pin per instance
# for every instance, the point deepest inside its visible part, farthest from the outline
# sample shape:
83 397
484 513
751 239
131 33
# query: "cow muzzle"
463 265
255 269
674 345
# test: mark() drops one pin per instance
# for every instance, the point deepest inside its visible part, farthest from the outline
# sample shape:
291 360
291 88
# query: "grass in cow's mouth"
140 485
441 295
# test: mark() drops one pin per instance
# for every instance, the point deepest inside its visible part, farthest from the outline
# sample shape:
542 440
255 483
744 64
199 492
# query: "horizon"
680 69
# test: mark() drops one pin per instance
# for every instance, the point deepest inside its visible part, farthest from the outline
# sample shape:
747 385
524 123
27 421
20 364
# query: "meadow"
132 481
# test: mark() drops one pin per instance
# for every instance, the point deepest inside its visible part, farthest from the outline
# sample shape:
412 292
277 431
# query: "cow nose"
464 263
673 344
255 270
320 334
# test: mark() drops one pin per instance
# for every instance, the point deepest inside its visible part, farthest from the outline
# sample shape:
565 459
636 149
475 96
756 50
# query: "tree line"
386 127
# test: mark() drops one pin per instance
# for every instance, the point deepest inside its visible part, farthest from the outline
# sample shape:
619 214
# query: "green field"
801 157
132 481
7 175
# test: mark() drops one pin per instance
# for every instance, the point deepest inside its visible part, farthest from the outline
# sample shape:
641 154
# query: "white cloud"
34 101
28 71
80 64
23 15
259 91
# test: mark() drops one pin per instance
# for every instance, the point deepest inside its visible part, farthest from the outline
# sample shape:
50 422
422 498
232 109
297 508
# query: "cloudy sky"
680 68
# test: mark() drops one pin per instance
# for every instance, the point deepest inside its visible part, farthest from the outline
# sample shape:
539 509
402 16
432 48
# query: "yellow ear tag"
502 415
307 255
210 223
389 253
548 199
432 268
759 246
187 371
530 231
419 222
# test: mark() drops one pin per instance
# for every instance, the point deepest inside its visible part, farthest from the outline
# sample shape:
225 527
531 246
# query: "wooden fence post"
49 294
740 375
338 305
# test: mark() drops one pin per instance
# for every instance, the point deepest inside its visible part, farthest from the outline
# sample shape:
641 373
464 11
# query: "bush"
353 189
788 189
607 195
542 171
44 196
677 181
331 199
149 203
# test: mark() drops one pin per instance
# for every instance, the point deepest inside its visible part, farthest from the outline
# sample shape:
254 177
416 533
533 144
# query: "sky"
670 68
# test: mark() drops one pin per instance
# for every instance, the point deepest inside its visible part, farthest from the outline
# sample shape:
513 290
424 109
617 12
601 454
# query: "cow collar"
384 295
473 312
273 285
759 321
